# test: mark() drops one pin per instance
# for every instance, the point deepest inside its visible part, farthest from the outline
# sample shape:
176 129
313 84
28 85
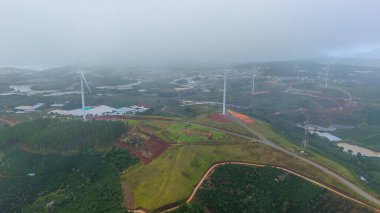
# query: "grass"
3 124
178 133
188 133
233 127
350 174
202 157
266 130
21 117
172 176
132 122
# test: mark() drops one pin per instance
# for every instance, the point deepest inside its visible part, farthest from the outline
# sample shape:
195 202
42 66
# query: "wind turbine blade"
84 79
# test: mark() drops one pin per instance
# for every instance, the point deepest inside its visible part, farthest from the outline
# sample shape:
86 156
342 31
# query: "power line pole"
305 141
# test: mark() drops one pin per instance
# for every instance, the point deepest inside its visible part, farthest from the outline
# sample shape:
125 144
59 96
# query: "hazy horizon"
43 32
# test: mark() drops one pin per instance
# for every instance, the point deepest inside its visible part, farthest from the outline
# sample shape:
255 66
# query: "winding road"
262 139
213 167
9 121
325 170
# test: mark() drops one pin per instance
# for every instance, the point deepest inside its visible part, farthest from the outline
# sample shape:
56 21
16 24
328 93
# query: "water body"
356 149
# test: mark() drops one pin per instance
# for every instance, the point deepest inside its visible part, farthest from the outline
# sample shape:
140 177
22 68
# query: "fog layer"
174 31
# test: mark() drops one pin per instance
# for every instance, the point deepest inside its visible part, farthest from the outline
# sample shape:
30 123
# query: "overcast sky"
48 32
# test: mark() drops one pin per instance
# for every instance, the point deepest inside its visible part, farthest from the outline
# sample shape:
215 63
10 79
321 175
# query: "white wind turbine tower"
83 79
327 75
224 92
253 79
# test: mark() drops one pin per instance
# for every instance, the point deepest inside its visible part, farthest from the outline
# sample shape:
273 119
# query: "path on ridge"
262 139
327 171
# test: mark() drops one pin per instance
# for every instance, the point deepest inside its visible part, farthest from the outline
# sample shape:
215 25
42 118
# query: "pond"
356 149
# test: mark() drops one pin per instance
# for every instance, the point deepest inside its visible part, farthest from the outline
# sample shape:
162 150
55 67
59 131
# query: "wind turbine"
253 79
83 79
224 92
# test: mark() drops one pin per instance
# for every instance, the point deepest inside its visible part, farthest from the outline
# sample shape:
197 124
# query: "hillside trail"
325 170
216 165
262 139
10 122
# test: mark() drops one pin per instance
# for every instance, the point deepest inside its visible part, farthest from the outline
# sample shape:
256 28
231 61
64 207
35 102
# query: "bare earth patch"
150 150
129 200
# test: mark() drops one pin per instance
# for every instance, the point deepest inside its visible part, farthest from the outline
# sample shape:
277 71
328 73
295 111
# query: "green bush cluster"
83 182
235 188
53 135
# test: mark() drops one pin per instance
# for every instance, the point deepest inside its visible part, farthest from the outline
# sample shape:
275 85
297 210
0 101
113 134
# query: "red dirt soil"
146 130
242 117
220 118
129 200
9 121
154 146
127 117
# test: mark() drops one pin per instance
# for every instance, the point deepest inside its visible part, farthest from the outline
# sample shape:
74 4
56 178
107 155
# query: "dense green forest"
83 182
53 135
235 188
63 163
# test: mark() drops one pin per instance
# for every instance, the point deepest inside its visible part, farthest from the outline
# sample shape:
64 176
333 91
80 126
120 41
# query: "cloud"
179 31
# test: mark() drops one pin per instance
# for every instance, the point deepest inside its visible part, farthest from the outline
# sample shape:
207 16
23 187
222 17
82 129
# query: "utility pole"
305 141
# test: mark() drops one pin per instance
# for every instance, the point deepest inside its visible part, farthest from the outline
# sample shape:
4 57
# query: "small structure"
57 105
102 110
139 108
28 108
50 204
328 136
363 179
305 140
122 111
31 174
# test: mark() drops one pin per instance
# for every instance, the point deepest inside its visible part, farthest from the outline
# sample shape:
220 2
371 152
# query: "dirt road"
213 167
341 179
9 121
325 170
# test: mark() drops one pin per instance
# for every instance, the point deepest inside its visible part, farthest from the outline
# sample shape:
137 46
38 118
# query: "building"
90 111
102 110
328 136
57 105
123 111
29 108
